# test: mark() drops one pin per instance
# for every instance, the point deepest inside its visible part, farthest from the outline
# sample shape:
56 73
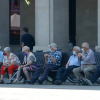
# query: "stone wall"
86 22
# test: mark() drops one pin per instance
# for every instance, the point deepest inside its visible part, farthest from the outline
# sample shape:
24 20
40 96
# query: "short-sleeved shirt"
56 55
12 58
1 56
73 60
28 40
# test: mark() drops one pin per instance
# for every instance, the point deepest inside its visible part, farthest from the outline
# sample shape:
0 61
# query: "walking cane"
14 75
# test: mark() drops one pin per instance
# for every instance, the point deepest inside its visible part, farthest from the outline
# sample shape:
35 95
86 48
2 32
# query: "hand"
5 65
46 55
4 68
80 55
66 65
21 66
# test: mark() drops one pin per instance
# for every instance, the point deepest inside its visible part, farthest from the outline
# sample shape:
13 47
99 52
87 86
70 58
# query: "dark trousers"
63 72
45 74
23 75
95 76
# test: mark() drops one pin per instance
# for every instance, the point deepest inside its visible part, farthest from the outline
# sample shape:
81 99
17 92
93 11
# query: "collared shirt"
88 58
73 60
1 56
56 55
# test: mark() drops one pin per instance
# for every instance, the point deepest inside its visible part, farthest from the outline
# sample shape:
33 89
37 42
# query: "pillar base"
44 48
97 48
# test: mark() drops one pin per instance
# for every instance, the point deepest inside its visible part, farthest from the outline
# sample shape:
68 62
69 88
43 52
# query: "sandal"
1 82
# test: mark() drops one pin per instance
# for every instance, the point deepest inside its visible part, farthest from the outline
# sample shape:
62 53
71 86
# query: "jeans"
95 76
63 72
45 74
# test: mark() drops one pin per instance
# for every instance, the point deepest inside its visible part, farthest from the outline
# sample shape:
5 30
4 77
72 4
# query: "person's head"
7 50
52 47
85 47
76 50
25 30
26 49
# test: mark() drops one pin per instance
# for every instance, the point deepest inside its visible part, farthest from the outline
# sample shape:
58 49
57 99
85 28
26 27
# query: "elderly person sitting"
29 63
72 63
53 63
10 62
89 64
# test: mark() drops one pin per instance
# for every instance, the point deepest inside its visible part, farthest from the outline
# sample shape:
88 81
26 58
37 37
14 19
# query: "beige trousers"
84 68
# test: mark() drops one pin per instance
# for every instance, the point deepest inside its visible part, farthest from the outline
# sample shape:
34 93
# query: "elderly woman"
10 62
29 63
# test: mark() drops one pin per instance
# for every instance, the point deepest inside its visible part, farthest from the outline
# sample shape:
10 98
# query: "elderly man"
89 64
53 63
72 63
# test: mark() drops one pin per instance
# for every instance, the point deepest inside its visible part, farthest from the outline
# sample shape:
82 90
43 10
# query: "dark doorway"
72 21
14 14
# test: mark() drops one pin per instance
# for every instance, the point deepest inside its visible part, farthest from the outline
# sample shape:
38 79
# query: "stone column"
41 24
51 23
97 48
4 23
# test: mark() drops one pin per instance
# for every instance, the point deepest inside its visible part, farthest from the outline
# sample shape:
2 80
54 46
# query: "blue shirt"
73 60
1 56
56 55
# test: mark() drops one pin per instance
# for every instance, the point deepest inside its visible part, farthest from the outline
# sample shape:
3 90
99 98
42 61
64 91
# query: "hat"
53 45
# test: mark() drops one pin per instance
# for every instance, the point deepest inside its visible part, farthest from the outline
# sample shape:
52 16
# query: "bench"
65 57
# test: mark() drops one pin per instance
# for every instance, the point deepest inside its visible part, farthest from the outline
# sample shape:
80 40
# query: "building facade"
55 21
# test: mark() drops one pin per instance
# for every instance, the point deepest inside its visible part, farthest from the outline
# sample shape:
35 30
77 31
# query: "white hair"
78 48
7 49
86 45
25 48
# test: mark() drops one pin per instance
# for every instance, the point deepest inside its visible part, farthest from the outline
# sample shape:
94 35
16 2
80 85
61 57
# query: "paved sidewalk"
48 92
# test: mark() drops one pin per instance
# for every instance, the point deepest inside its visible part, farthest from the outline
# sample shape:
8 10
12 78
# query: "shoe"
29 82
24 82
59 82
84 81
98 81
56 81
40 82
1 82
15 81
88 82
10 82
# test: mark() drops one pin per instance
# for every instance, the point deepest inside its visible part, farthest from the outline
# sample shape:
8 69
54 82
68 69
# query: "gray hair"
86 45
78 48
7 49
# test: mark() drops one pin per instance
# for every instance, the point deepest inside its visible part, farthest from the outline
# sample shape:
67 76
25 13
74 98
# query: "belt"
89 64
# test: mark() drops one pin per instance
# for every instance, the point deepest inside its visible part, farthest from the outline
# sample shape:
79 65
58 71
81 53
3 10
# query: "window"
14 22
